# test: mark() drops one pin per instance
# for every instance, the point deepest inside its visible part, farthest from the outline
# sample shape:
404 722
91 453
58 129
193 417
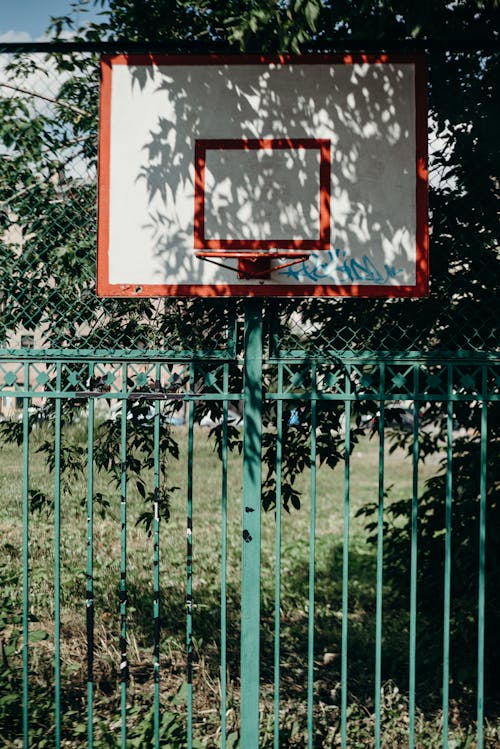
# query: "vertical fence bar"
223 574
380 560
277 567
345 559
156 564
26 514
90 569
413 565
447 560
482 554
189 571
232 327
251 516
312 553
57 563
123 567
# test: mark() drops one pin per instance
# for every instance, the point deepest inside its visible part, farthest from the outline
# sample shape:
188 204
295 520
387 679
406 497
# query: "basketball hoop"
254 263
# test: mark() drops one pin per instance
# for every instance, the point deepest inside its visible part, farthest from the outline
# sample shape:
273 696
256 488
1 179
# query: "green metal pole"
156 568
57 565
123 570
223 574
312 557
277 566
251 510
447 562
26 588
345 561
189 571
90 570
482 564
380 562
413 565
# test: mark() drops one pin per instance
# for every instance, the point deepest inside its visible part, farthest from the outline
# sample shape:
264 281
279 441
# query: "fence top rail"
112 355
159 355
456 43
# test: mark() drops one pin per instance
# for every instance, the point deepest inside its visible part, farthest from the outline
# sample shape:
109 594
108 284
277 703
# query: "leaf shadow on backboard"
361 109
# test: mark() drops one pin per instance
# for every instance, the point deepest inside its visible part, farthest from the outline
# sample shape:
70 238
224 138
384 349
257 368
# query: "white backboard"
323 157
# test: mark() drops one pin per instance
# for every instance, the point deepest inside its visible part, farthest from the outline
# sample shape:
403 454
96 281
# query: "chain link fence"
48 156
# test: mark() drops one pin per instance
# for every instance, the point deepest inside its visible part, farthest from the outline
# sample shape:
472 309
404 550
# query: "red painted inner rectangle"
251 144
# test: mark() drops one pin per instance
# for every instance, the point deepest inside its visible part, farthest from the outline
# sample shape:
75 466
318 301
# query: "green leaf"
37 635
232 740
311 13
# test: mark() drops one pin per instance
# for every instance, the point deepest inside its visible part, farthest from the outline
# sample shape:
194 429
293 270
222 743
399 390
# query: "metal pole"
251 511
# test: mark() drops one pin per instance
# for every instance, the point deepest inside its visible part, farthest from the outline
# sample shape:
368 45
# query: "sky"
27 20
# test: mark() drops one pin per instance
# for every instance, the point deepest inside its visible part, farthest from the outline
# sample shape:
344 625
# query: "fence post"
251 511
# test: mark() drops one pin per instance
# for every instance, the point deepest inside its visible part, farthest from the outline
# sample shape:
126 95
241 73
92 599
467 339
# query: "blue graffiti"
322 265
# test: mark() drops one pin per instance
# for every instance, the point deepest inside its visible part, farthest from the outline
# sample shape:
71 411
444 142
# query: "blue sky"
27 20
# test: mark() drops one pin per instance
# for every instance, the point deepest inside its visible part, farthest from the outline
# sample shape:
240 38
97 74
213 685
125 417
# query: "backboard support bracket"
254 264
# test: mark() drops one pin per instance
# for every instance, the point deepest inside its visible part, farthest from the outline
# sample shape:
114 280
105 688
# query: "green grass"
206 581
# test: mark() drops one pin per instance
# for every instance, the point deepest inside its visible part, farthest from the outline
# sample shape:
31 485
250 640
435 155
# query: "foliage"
10 645
140 452
296 436
465 504
293 625
41 148
52 151
47 276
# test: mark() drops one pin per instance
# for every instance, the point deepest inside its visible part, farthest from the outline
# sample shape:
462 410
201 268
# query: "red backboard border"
421 287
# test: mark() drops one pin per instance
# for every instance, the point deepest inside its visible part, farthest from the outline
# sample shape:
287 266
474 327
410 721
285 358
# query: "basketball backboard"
268 176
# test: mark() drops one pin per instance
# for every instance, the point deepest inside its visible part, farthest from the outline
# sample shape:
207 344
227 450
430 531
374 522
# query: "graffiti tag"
336 266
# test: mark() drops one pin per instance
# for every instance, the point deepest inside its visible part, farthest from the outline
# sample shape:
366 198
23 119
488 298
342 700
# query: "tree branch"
65 104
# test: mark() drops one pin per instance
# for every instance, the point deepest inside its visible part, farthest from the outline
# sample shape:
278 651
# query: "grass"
295 539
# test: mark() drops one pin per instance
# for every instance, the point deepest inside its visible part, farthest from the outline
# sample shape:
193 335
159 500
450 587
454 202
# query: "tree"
462 101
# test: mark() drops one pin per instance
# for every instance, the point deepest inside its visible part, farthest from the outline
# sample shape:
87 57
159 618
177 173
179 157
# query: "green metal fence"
318 390
330 466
